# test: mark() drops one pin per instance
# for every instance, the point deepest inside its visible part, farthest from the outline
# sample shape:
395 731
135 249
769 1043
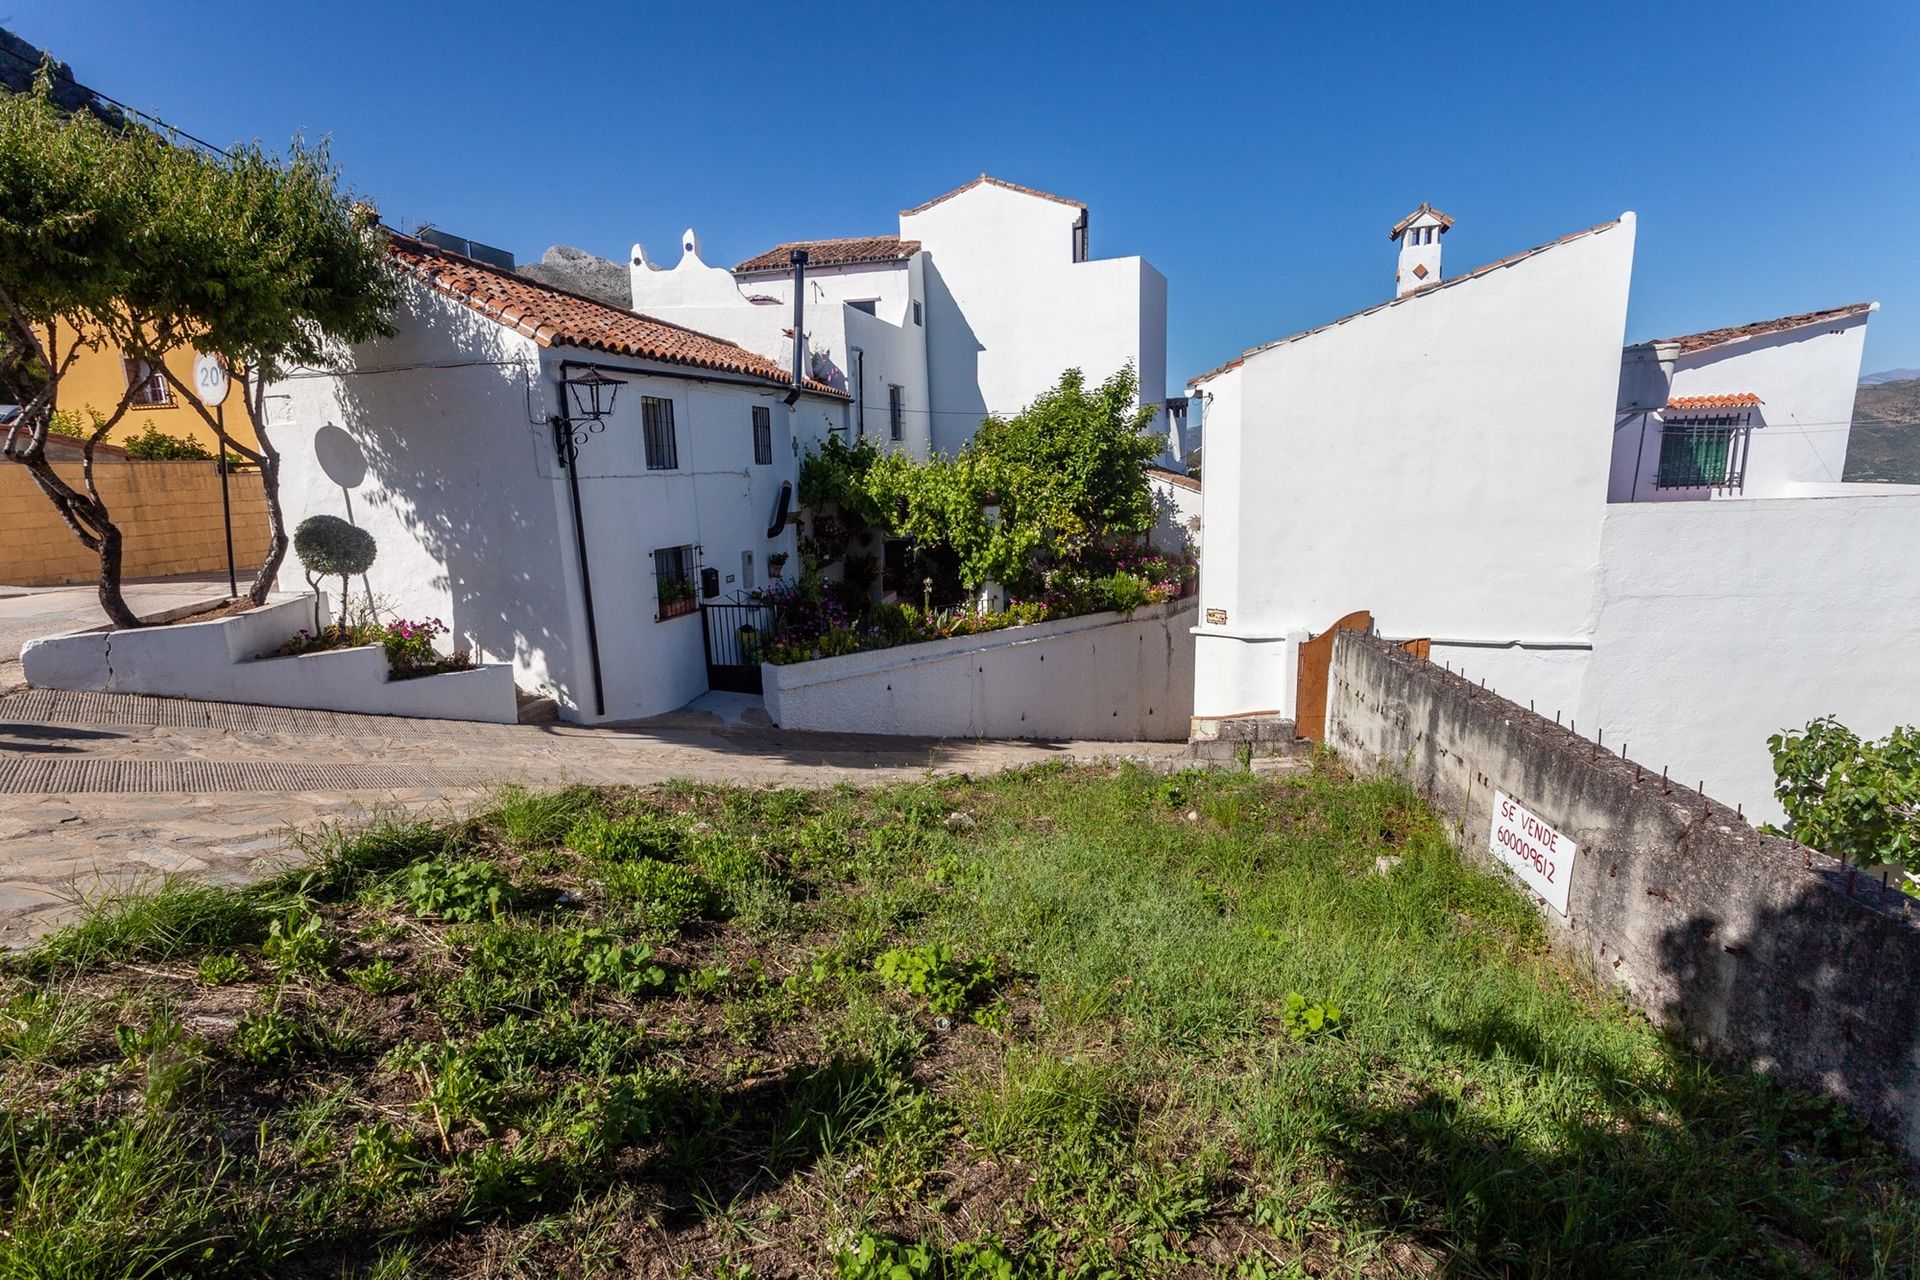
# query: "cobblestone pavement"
99 791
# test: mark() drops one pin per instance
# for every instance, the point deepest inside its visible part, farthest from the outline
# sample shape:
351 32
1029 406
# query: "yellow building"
100 377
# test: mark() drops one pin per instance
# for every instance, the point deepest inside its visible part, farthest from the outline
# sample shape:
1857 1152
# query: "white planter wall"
225 660
1101 676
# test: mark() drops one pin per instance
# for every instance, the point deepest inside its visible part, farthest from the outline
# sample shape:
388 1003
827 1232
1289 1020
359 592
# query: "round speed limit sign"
209 378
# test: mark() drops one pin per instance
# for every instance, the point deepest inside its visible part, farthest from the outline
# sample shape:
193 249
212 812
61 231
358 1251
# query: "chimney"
799 259
1419 236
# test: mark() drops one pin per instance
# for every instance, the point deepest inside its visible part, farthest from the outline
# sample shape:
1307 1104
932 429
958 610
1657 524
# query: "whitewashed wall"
1720 623
1177 506
1009 309
712 300
441 433
1101 677
1806 378
1441 460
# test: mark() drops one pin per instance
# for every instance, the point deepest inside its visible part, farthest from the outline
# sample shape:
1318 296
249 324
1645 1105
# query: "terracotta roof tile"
991 181
832 253
1691 342
553 317
1399 228
1726 400
1178 479
1405 298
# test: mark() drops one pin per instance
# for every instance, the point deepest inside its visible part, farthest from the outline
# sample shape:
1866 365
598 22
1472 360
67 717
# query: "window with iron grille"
896 412
762 435
673 575
151 390
657 414
1700 453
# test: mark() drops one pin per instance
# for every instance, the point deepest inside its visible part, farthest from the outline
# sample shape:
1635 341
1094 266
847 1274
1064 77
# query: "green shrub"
1123 592
380 978
1854 798
155 445
266 1035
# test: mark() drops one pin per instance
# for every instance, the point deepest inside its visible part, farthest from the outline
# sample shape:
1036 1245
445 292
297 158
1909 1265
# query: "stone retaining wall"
1750 948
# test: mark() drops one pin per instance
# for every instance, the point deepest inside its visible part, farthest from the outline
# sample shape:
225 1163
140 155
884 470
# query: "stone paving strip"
100 791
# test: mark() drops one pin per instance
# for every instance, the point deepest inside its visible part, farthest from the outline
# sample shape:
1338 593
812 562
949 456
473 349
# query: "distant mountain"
1885 443
1890 375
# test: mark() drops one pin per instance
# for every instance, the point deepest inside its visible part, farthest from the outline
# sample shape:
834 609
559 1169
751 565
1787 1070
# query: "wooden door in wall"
1316 664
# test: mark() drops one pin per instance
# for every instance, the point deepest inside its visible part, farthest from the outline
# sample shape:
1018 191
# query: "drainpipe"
570 462
799 259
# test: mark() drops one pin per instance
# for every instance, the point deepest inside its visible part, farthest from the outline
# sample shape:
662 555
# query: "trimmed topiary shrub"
330 547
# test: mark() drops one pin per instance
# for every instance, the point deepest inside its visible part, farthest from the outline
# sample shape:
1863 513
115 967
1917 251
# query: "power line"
174 129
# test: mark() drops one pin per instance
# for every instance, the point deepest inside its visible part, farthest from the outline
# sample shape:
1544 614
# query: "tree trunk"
276 523
112 599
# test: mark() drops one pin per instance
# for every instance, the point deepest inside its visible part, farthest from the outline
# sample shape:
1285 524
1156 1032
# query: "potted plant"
777 563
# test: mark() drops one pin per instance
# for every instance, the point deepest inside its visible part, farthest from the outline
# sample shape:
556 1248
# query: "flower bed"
814 624
408 644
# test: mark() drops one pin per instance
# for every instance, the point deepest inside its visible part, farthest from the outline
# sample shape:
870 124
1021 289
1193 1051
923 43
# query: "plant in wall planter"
777 563
331 547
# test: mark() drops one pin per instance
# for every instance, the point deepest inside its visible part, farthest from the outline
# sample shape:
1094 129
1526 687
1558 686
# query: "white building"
1755 411
979 303
1446 459
442 442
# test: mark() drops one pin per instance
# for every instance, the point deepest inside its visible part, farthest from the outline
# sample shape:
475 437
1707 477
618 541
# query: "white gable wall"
1805 378
457 481
1009 309
443 467
1440 461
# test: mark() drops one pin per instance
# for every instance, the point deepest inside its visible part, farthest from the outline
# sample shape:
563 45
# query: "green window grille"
1697 453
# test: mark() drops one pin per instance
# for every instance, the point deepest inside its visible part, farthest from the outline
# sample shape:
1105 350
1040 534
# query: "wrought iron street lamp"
589 399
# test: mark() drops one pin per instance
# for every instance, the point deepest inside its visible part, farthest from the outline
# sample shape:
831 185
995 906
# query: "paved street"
99 790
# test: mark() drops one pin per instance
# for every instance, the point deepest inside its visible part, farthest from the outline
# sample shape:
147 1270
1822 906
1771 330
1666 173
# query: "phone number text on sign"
1537 853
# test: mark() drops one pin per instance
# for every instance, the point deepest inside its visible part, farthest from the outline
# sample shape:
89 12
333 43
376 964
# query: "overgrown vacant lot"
1059 1023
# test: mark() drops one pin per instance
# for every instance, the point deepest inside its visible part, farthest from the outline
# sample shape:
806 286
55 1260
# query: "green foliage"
298 944
876 1257
266 1035
663 895
157 922
932 971
145 247
465 889
1302 1019
379 978
1064 473
221 968
330 547
155 445
529 820
621 839
1854 798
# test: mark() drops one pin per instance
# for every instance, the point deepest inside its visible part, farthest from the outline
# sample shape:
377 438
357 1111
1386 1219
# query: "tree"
1853 798
1063 474
112 236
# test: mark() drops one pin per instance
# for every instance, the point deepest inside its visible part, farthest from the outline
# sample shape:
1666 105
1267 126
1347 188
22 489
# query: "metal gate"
736 636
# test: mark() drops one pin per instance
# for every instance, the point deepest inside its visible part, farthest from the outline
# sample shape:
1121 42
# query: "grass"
1059 1023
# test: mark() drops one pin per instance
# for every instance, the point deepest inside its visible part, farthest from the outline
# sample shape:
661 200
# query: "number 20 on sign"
1537 853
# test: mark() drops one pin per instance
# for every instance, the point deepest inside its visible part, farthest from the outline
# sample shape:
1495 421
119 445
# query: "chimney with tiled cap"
1419 236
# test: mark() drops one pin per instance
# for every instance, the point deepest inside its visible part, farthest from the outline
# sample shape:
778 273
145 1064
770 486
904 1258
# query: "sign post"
210 383
1538 854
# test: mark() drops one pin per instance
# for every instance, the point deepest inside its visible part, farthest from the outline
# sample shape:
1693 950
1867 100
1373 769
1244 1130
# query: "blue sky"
1256 157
